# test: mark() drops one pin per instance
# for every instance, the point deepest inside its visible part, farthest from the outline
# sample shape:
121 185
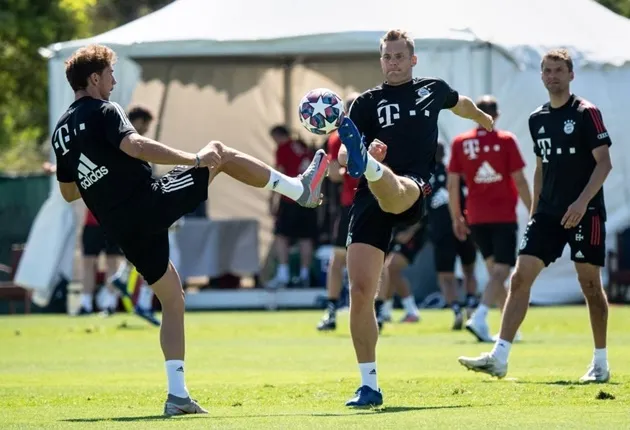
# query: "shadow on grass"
567 383
381 410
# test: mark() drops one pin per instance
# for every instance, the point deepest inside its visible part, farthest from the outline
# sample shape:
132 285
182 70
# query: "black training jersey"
438 214
405 118
86 142
564 139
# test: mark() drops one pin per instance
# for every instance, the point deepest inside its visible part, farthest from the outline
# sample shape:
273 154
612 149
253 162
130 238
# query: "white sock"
285 185
409 303
145 297
111 299
481 313
283 273
176 380
501 350
374 169
86 302
305 273
600 357
388 307
123 271
368 375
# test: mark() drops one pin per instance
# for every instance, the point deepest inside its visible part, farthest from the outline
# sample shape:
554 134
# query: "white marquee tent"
230 70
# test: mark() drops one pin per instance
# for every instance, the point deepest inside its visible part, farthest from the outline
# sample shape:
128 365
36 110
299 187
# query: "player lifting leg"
103 160
399 119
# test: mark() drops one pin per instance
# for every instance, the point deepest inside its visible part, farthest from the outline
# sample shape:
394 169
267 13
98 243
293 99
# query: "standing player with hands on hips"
398 120
102 159
572 162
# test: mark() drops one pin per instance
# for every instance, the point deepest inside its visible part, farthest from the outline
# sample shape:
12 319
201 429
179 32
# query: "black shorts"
546 238
95 242
410 249
448 248
295 221
369 224
341 227
497 240
141 227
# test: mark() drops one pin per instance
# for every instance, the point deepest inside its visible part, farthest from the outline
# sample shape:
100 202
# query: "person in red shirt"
293 222
334 278
492 166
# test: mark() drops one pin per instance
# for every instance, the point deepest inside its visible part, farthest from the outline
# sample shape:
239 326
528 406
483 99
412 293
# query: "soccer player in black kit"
572 162
397 119
102 159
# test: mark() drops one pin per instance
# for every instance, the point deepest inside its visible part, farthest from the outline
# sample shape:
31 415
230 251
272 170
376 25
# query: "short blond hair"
85 61
558 55
394 35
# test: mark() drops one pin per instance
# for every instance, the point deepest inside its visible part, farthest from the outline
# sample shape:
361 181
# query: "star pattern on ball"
319 107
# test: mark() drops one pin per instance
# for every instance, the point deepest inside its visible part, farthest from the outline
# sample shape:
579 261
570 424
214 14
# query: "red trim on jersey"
596 116
595 230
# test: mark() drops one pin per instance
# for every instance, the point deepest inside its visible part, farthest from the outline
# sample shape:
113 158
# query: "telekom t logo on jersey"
471 148
387 114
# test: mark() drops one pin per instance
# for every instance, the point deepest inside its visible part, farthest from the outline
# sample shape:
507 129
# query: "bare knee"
499 273
363 290
337 262
590 281
395 264
521 281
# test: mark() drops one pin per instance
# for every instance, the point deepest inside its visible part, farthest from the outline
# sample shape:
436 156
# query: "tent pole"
488 82
160 112
287 67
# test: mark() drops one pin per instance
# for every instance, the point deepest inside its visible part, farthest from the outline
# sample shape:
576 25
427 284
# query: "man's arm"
149 150
121 134
603 167
454 202
523 188
466 108
538 180
69 191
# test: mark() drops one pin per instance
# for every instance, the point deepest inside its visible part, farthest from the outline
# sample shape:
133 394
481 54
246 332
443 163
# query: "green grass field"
274 370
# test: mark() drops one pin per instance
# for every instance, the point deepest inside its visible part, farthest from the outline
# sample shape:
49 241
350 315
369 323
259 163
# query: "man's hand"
210 155
574 214
378 150
460 228
485 121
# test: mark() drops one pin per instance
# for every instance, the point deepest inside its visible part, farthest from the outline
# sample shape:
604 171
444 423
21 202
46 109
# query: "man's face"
556 76
104 82
141 125
397 61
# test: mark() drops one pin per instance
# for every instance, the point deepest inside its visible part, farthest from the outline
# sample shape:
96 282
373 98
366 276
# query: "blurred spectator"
293 222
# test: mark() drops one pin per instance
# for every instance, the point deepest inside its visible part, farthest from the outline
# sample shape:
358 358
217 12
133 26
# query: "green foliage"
25 26
622 7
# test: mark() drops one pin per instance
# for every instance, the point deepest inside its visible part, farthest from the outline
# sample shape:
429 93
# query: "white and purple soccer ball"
321 111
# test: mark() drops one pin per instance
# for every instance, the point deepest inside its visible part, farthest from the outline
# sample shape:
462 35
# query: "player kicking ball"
103 160
572 162
401 116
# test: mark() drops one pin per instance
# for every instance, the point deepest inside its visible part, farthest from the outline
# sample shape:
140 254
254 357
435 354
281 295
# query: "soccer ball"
321 111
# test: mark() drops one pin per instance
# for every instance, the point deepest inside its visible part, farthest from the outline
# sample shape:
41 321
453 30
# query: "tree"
622 7
26 26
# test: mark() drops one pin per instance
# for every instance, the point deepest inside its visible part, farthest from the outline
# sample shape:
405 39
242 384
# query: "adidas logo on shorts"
90 173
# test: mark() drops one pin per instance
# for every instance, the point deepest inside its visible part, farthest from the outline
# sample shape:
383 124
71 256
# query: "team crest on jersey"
423 93
569 126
